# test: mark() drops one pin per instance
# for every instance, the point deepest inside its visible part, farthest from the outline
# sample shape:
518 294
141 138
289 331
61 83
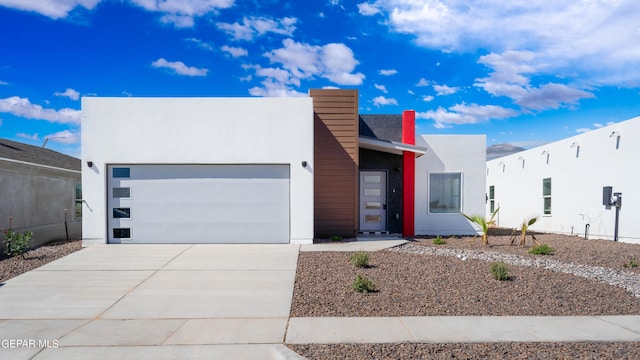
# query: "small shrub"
17 243
336 238
439 240
542 249
499 271
633 263
363 284
360 259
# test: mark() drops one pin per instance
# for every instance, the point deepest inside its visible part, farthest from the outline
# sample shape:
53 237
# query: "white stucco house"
269 170
562 182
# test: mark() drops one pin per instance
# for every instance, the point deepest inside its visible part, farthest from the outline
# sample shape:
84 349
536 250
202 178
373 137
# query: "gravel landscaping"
423 279
14 266
511 351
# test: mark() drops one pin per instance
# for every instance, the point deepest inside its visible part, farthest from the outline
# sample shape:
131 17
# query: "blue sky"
522 72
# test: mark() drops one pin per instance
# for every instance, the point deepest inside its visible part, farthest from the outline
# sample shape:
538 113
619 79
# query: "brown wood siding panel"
336 162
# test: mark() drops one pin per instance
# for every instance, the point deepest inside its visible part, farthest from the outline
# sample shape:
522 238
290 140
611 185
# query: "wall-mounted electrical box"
607 195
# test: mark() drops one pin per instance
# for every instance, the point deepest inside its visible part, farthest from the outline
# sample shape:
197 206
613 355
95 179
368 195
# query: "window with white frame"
445 193
492 198
78 201
546 196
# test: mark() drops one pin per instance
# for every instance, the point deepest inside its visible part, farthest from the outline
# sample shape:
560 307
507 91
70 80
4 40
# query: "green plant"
360 259
336 238
17 243
439 240
499 271
363 284
526 223
633 263
542 249
484 224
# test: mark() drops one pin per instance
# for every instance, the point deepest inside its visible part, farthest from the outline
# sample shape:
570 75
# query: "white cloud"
252 27
388 72
595 39
70 93
597 125
181 13
3 82
466 114
442 90
552 96
234 51
382 101
275 89
64 137
179 67
381 88
32 137
427 98
54 9
201 44
582 130
423 82
511 78
301 61
367 9
22 107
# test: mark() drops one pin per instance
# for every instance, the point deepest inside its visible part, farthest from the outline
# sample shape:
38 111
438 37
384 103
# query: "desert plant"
439 240
336 238
633 263
542 249
526 223
484 225
360 259
17 243
499 271
363 284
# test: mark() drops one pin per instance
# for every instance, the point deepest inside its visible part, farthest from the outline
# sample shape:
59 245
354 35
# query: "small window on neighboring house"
445 193
78 201
492 199
546 195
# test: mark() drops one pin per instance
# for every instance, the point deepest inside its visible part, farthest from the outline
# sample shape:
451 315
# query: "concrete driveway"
152 302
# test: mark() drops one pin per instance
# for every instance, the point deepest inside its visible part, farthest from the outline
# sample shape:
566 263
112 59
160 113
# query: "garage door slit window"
445 193
121 172
121 233
121 213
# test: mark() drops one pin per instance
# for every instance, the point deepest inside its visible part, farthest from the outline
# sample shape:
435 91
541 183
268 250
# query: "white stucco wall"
450 153
197 131
576 183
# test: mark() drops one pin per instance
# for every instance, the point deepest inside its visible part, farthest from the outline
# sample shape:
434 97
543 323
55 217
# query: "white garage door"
198 203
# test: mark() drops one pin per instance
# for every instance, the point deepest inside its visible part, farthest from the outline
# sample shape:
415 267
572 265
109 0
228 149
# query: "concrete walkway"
223 301
464 329
152 302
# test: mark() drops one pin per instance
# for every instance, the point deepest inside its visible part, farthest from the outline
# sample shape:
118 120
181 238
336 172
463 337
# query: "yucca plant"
484 224
526 223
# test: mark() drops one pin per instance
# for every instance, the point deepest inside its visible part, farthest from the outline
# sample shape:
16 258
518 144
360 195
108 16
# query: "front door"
373 200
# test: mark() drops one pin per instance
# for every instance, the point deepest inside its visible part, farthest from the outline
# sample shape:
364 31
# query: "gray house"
39 189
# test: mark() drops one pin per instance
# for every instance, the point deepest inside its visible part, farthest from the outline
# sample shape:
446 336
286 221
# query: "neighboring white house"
450 180
562 182
191 170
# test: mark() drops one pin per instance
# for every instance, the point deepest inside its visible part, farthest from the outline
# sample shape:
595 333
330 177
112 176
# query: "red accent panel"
409 127
408 174
408 193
